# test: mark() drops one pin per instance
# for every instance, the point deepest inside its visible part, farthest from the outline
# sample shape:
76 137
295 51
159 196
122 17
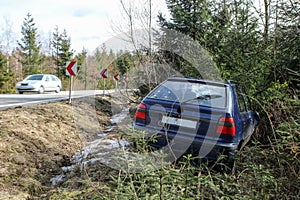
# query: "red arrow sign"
116 77
71 68
104 73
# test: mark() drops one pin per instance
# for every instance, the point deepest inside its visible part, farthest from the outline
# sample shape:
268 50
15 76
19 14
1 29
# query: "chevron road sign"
71 68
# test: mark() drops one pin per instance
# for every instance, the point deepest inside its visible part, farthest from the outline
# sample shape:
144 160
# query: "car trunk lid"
184 119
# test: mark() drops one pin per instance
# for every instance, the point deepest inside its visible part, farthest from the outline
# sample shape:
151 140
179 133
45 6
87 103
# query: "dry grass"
36 141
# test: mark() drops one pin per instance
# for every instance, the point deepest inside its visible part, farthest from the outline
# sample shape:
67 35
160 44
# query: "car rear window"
191 92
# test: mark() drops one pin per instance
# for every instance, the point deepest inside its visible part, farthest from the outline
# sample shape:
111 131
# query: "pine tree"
190 17
286 64
82 73
62 52
236 44
228 30
124 62
55 44
194 20
30 47
6 77
66 53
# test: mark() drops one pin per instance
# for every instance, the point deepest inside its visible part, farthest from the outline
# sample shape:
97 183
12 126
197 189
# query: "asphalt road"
15 100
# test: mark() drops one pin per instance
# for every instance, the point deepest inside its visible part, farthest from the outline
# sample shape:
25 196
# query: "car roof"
210 82
42 74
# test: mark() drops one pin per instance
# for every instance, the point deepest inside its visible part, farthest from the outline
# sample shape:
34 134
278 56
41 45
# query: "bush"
263 172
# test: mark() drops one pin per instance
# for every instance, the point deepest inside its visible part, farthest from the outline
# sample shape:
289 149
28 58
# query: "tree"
82 67
105 60
193 22
6 40
29 47
56 41
62 52
238 47
137 30
191 18
6 77
286 43
66 53
124 62
228 30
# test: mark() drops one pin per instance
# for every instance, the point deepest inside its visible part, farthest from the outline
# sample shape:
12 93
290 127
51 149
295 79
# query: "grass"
258 175
31 156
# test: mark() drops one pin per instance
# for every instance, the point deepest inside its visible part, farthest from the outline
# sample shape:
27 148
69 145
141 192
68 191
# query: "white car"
39 83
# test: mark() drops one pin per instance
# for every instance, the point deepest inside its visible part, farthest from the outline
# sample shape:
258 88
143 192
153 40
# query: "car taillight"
141 112
226 126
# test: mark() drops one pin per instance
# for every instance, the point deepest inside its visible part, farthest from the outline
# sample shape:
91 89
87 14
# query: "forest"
257 47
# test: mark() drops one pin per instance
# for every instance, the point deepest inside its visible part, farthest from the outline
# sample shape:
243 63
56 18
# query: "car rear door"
247 115
55 83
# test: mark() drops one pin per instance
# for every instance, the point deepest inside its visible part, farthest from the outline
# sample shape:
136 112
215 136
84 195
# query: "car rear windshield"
35 77
191 92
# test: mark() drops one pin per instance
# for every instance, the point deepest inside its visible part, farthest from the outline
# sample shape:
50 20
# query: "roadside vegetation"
37 141
256 47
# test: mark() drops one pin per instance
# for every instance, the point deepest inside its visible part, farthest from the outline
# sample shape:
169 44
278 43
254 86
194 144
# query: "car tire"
57 89
230 163
20 92
230 167
41 90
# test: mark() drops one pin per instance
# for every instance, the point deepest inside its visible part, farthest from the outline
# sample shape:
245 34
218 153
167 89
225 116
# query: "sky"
88 22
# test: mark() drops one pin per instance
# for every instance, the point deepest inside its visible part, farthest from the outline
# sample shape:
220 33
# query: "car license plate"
179 122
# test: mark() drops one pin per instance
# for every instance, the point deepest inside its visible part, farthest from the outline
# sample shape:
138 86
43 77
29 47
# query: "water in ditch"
100 150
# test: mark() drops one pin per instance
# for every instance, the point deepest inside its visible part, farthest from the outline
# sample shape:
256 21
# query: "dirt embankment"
36 141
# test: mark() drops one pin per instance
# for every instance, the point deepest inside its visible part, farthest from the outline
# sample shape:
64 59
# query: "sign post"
71 68
104 75
125 82
103 86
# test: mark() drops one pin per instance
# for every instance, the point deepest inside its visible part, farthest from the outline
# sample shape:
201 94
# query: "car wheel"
57 89
230 163
230 167
41 90
20 92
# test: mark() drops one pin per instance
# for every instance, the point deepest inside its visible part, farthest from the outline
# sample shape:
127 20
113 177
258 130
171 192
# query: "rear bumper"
181 144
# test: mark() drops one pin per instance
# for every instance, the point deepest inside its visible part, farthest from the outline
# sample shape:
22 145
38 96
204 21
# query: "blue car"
205 118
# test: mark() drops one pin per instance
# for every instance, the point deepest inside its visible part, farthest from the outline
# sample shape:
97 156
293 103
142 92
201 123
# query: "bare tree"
138 30
7 38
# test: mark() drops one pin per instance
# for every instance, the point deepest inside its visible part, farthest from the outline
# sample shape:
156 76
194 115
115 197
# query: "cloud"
81 12
88 23
91 37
